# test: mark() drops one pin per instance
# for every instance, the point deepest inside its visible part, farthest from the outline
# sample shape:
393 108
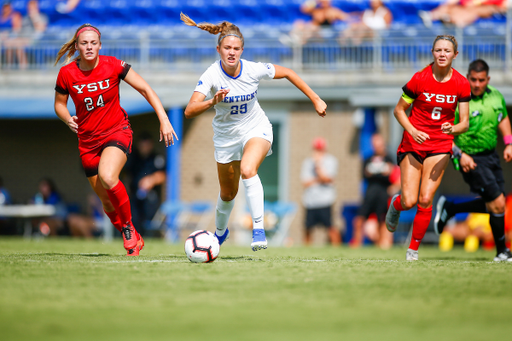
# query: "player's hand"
467 163
146 183
320 107
447 128
220 95
419 136
167 132
72 124
507 153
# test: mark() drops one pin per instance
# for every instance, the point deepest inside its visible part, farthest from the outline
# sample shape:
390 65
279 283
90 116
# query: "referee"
479 161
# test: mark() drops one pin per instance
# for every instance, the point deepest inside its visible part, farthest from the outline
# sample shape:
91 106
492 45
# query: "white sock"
222 213
254 196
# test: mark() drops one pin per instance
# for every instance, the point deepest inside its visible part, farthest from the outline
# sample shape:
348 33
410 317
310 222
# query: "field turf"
63 289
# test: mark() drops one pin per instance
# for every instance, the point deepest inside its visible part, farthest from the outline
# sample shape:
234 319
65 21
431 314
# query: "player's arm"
462 126
197 105
506 132
284 72
61 109
151 180
403 104
138 83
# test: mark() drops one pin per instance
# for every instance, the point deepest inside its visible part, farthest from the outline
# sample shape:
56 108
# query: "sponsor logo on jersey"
123 63
92 87
475 113
440 98
199 83
268 66
500 116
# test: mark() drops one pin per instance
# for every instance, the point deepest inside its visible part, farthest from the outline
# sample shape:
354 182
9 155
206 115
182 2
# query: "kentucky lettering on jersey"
96 96
240 111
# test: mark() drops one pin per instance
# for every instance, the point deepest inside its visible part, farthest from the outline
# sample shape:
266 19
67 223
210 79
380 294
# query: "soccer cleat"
393 216
505 256
259 241
130 238
222 238
411 254
442 215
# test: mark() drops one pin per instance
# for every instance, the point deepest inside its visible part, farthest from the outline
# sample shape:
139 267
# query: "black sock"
498 231
475 206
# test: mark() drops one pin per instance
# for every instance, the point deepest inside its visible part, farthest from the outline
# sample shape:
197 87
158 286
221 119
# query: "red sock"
397 204
419 226
121 202
114 219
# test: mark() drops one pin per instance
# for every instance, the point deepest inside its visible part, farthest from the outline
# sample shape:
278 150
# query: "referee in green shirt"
479 161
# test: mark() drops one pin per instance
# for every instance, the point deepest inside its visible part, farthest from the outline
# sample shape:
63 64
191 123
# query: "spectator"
377 17
471 231
464 12
67 7
34 23
322 13
317 175
10 28
146 170
377 170
90 224
49 195
5 197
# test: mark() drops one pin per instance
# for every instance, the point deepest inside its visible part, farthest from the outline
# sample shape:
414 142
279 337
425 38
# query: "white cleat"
411 255
505 256
393 216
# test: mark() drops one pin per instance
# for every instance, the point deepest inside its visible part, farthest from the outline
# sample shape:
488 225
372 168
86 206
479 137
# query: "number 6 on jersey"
436 113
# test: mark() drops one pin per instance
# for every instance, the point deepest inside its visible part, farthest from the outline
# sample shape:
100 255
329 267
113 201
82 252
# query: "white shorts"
229 149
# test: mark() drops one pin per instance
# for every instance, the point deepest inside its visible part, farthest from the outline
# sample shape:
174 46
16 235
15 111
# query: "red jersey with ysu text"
434 104
96 97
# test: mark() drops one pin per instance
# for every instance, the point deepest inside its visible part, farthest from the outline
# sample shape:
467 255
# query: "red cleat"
140 245
130 239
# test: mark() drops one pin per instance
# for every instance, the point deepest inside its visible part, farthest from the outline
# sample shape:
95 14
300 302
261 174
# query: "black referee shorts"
486 179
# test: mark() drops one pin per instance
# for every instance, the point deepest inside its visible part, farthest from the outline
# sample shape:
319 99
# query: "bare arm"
505 130
61 109
138 83
462 126
151 180
401 117
283 72
197 105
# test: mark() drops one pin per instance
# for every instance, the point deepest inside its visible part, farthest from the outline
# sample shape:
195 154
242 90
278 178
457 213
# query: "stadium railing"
407 49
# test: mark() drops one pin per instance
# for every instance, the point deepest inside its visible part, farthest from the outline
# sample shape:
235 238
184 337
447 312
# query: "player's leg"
432 174
111 163
410 169
255 151
229 177
446 209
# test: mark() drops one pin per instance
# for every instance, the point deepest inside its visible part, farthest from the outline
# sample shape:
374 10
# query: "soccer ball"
202 246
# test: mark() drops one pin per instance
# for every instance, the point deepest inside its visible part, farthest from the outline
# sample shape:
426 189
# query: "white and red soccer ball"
202 246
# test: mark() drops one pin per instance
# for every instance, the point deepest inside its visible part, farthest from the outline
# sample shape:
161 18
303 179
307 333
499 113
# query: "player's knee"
108 180
424 201
248 172
407 203
228 195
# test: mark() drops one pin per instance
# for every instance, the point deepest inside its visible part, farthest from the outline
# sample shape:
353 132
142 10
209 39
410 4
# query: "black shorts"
420 157
375 201
318 216
486 179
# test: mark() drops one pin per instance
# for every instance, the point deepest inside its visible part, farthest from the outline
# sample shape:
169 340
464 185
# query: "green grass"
62 289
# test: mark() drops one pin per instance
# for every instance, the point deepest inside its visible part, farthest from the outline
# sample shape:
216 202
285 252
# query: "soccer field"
62 289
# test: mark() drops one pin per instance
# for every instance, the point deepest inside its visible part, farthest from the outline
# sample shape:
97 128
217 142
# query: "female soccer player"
104 132
428 134
242 132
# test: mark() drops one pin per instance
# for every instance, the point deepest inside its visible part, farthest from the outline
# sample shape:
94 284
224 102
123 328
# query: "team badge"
199 83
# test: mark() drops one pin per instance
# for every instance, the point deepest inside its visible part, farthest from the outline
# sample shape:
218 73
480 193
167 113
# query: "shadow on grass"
76 254
239 258
479 259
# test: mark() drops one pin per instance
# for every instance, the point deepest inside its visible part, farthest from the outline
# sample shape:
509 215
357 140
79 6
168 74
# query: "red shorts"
90 153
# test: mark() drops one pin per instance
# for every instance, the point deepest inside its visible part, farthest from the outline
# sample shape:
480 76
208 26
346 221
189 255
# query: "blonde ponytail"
225 28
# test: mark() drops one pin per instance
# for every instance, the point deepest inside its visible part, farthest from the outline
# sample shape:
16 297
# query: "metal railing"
393 51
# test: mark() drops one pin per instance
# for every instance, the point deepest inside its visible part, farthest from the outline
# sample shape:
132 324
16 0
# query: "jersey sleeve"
465 91
265 70
205 84
411 89
121 68
61 85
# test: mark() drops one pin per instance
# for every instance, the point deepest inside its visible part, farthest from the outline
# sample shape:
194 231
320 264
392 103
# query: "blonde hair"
225 28
69 48
450 38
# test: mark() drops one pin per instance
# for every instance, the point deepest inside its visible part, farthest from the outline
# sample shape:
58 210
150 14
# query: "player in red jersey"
426 145
102 126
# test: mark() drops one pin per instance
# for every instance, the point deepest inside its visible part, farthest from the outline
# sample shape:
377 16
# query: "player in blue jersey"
242 132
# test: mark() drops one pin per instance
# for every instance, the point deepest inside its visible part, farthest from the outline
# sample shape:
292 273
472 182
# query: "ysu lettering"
91 87
441 98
